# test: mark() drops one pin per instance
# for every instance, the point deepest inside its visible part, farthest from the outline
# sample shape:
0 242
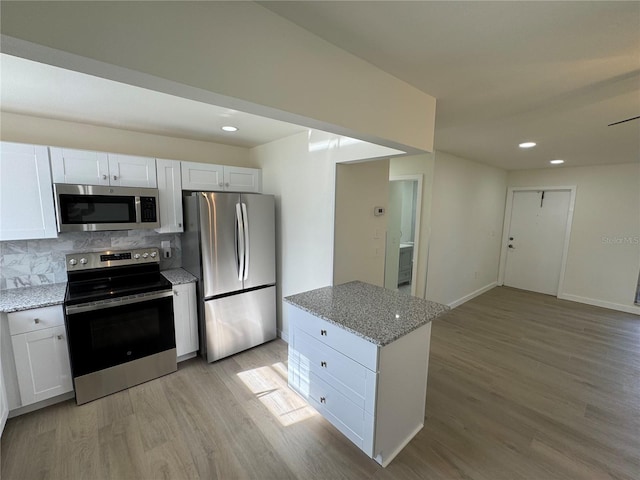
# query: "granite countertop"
373 313
17 299
178 276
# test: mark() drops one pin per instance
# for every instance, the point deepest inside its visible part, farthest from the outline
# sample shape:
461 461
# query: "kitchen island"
359 354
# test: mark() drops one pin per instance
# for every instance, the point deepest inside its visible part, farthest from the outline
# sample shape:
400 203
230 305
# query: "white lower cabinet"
375 395
40 351
4 403
185 318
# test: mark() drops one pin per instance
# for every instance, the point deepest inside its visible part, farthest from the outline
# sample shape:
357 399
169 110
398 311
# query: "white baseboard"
601 303
41 404
466 298
283 336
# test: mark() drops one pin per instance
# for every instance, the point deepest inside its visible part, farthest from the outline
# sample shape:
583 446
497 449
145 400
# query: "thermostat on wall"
377 211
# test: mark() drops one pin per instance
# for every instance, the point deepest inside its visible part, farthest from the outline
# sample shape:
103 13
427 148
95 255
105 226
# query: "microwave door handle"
138 210
245 219
239 242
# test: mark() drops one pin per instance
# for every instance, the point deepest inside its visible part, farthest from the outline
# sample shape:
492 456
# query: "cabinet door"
26 196
202 177
130 171
186 318
170 196
79 166
240 179
42 364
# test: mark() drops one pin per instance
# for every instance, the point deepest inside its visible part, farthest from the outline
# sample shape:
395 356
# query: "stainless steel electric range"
119 320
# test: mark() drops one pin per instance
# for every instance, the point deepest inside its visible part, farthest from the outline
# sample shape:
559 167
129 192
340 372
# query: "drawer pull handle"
36 320
59 337
323 364
323 400
323 332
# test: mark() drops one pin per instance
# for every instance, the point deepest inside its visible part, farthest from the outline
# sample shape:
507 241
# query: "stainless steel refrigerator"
229 245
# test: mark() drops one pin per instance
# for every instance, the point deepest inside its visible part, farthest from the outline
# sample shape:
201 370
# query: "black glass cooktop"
84 287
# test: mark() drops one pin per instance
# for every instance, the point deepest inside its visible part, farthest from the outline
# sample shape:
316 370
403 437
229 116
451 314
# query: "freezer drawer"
239 321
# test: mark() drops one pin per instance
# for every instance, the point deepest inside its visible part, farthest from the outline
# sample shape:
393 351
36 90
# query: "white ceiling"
503 72
556 73
42 90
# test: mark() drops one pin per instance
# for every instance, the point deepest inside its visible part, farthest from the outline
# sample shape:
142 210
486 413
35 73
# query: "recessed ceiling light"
556 162
229 128
527 144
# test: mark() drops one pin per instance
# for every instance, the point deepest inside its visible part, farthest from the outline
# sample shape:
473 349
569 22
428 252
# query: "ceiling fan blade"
622 121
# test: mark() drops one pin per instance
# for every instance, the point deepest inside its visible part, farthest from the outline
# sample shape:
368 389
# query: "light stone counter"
17 299
178 276
374 313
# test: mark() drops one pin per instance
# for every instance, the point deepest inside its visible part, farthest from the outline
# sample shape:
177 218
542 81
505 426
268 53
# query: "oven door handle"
100 305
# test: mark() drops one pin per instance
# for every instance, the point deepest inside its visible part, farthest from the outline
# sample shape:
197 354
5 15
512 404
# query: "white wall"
604 249
467 211
45 131
234 54
359 246
300 172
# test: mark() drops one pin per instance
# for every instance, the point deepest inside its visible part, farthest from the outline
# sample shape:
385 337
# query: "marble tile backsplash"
26 263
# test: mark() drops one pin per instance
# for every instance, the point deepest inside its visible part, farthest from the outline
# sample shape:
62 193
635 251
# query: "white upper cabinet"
202 176
239 179
170 196
98 168
26 197
79 166
209 177
130 171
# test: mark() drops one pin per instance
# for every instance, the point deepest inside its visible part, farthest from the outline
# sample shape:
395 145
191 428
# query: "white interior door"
536 240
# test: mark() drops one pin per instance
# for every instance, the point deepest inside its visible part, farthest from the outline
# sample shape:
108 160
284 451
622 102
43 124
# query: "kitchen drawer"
346 416
349 377
345 342
35 319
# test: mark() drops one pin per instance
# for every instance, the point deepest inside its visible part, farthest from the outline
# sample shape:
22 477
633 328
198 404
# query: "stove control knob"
73 262
145 255
153 254
136 256
83 261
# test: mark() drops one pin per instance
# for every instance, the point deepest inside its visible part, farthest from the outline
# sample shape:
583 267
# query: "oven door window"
104 338
81 209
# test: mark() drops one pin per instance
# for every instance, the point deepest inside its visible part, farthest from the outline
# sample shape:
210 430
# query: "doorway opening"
403 233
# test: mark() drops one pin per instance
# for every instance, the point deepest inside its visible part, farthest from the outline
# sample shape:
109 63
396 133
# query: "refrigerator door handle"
240 241
245 219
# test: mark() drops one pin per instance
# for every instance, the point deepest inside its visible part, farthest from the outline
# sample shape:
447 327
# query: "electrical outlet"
166 248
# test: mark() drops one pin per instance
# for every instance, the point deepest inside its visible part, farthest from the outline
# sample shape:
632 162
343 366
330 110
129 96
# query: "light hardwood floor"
521 386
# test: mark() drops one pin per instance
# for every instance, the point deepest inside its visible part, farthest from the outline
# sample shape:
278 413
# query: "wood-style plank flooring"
521 386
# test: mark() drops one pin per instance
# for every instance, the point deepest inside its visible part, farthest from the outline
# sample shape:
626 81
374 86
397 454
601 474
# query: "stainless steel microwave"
88 208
